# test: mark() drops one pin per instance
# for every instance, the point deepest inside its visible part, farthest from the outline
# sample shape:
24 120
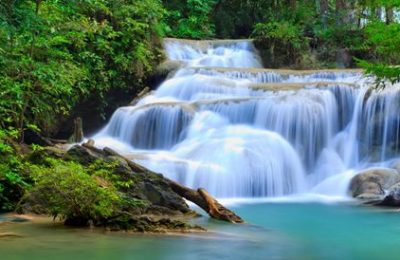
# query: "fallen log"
204 200
200 197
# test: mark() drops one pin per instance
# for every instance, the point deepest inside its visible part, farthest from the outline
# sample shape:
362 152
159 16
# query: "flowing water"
224 123
263 139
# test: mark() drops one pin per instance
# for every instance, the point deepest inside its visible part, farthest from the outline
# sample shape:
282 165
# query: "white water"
241 132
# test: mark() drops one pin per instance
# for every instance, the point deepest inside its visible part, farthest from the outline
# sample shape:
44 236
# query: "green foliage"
55 53
78 193
66 189
384 42
106 171
192 20
280 33
383 72
12 181
284 40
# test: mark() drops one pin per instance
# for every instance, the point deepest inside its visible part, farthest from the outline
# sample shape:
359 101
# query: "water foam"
241 132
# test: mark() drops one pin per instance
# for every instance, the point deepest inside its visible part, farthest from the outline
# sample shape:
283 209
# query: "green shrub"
12 181
283 41
66 189
192 20
383 41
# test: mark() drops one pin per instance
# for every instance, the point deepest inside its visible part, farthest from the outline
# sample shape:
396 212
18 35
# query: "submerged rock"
10 235
372 183
151 224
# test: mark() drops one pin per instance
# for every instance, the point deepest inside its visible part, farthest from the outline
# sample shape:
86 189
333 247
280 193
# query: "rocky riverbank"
86 186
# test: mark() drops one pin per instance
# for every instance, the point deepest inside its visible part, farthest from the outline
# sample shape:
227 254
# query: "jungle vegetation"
55 54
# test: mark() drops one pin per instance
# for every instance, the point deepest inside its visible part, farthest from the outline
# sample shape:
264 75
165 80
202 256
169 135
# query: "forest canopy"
56 53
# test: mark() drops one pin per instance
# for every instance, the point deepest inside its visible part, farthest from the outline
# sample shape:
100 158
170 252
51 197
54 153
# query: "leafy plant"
12 180
384 42
282 39
66 189
54 54
193 20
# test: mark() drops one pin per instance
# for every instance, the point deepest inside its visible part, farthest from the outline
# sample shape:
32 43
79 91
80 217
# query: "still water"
275 231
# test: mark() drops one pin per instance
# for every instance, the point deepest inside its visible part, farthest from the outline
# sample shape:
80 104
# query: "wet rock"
33 137
84 155
159 193
163 71
47 152
146 91
393 197
77 222
121 167
368 198
150 224
373 182
146 193
9 235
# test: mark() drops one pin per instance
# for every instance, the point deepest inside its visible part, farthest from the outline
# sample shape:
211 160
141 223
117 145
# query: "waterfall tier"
224 123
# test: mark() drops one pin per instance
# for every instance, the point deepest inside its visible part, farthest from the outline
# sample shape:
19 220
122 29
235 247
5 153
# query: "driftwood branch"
205 201
200 197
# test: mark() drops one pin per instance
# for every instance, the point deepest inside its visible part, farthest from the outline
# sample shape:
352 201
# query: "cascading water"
223 123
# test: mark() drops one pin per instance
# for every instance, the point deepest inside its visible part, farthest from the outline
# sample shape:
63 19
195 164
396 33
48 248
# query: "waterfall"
224 123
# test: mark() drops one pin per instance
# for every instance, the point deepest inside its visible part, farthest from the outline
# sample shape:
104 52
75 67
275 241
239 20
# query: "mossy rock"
39 156
83 155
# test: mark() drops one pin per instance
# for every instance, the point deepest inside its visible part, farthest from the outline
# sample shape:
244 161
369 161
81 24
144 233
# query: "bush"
12 181
66 189
383 41
283 41
192 20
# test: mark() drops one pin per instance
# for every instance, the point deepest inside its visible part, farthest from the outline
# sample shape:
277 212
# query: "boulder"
371 199
121 167
163 72
153 202
158 192
85 155
393 197
373 182
39 156
33 137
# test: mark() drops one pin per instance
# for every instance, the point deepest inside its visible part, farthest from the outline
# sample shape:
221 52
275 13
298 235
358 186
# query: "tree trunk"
77 135
292 5
323 12
389 15
341 12
38 2
378 13
205 201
